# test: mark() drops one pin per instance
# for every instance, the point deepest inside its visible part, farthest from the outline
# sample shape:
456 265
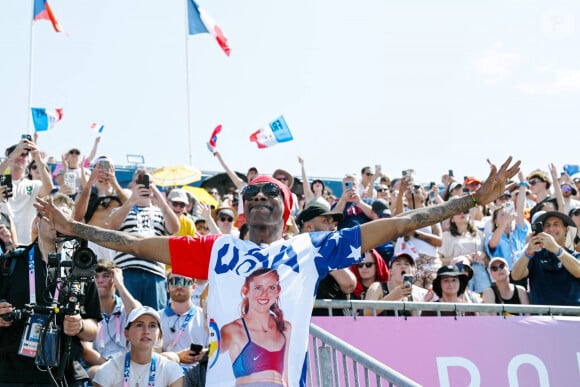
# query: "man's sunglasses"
270 190
365 264
534 181
178 204
501 266
226 219
180 281
74 152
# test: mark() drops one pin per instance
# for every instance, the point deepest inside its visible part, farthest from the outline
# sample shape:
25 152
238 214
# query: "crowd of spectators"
521 248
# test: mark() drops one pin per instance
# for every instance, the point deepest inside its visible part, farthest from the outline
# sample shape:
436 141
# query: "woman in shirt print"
257 342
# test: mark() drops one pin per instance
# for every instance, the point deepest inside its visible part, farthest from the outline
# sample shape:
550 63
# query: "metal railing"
335 363
399 306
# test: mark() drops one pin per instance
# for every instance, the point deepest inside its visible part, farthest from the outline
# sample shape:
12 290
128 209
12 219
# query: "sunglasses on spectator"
281 178
365 264
534 181
382 189
213 192
368 174
178 204
74 152
180 281
270 190
501 266
566 188
226 219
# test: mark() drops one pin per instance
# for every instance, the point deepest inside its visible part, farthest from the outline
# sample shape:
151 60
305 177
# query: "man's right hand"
5 307
54 215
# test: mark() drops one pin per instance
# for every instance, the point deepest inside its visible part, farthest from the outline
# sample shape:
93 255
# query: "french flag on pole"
95 127
44 119
201 23
275 133
42 11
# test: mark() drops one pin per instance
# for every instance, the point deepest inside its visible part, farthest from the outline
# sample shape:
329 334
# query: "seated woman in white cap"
501 290
140 366
400 286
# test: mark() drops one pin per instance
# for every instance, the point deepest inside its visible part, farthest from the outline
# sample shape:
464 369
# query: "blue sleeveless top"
255 358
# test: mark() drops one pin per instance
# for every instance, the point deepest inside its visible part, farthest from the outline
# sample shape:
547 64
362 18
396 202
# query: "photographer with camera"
550 261
27 294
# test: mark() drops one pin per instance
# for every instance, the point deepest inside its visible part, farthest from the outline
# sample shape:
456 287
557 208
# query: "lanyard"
31 276
127 370
181 329
104 324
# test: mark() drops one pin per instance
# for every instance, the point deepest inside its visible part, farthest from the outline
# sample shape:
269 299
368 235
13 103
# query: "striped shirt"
145 221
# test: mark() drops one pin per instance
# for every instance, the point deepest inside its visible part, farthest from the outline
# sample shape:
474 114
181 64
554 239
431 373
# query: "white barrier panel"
469 351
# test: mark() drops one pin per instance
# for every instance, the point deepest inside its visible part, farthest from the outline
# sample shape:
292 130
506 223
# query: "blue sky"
405 84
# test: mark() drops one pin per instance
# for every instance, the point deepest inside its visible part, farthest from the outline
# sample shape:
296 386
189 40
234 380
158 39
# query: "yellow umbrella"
175 175
202 195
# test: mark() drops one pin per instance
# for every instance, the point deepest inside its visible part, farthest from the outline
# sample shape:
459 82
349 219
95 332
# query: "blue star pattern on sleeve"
336 250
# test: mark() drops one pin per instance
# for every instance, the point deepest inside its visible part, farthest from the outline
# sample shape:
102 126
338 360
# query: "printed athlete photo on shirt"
256 342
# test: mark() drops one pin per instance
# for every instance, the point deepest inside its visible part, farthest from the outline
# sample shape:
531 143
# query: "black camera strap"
8 263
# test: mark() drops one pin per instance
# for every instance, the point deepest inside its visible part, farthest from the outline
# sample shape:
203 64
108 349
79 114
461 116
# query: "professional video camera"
71 286
70 278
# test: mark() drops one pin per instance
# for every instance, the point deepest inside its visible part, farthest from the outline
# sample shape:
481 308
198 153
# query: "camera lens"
84 259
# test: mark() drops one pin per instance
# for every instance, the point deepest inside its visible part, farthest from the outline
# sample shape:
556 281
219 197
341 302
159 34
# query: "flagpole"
187 96
30 52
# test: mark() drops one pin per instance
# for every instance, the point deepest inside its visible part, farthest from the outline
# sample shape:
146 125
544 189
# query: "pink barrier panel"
469 351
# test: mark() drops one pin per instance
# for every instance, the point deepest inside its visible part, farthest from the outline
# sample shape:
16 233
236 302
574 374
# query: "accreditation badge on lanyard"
35 323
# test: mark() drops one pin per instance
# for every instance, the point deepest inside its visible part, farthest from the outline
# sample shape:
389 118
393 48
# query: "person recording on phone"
509 229
147 214
355 210
550 262
400 286
17 289
102 195
425 240
23 190
70 177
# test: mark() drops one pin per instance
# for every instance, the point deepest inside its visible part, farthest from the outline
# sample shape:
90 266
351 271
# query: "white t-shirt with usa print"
301 262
